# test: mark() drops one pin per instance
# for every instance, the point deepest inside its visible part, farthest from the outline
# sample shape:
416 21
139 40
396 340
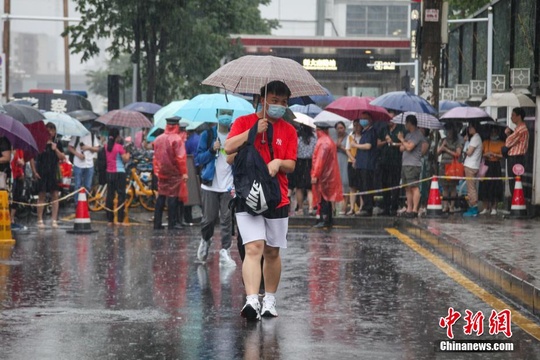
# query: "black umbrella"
23 113
83 115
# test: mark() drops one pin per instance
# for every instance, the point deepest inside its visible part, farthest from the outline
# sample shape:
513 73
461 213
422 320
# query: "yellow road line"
520 320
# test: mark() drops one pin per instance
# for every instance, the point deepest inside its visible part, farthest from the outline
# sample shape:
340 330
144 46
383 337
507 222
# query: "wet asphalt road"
129 293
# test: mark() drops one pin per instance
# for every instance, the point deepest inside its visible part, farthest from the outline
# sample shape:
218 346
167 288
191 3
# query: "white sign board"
432 15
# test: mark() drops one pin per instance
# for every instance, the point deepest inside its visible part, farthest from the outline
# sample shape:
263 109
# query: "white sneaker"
225 258
251 310
202 252
484 212
494 212
269 307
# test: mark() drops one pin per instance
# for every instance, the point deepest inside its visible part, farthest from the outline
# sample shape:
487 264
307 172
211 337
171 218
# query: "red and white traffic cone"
518 210
82 217
434 205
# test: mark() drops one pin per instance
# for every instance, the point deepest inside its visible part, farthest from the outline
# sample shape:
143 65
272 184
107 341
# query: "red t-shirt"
284 143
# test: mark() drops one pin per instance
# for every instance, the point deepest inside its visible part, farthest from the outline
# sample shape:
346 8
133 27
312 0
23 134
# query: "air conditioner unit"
498 83
462 92
520 77
448 94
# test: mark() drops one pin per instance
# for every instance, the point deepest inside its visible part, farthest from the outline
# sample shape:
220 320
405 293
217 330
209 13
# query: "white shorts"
253 228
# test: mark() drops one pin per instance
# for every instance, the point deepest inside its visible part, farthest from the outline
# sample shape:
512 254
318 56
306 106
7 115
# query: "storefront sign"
320 64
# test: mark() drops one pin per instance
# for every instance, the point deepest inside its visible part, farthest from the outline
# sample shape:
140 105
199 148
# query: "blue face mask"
259 107
225 120
364 123
276 111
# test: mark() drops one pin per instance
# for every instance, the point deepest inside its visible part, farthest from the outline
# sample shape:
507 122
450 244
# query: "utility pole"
6 47
67 70
321 17
431 50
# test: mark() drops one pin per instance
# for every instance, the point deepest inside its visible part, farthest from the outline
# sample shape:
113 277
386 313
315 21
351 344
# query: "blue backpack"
254 186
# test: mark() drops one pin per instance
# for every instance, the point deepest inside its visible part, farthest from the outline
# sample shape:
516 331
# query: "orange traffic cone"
518 210
434 205
5 219
82 217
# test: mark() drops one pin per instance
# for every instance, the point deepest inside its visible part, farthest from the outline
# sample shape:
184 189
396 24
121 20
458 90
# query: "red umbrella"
125 118
352 107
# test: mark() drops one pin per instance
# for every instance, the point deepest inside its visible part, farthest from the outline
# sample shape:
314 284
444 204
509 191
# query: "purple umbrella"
466 113
143 107
19 136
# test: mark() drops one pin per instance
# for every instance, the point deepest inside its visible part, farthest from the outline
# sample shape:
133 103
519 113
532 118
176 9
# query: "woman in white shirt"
472 164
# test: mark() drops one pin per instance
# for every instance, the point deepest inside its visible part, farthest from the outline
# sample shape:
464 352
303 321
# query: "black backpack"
253 184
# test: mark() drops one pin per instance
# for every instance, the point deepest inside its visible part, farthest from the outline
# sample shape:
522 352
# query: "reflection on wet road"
132 294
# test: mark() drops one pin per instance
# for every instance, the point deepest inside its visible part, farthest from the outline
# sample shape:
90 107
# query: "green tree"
176 42
97 79
465 8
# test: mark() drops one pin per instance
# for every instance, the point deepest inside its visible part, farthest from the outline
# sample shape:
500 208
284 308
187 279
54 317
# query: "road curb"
512 282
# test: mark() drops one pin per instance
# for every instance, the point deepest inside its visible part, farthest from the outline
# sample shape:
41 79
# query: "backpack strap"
269 133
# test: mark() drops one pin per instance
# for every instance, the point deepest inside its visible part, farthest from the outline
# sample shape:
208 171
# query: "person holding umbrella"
411 147
170 167
472 164
264 235
325 175
449 150
116 156
44 169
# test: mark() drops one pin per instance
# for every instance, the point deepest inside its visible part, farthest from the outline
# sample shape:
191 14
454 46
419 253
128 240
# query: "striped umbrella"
248 74
125 118
425 121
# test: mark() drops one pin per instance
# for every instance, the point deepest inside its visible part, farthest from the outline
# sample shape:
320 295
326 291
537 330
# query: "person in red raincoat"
325 177
170 167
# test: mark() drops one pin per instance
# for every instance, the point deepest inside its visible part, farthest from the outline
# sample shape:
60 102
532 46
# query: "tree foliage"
176 42
465 8
97 79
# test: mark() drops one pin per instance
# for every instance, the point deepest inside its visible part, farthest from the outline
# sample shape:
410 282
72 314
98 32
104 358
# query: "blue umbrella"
143 107
65 124
160 117
205 107
320 100
446 105
404 101
311 110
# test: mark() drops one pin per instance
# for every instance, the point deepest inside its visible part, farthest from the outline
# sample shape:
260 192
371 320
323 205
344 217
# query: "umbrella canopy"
83 115
466 113
17 134
125 118
508 99
404 101
250 73
304 120
311 110
205 107
352 107
425 121
24 113
160 118
65 124
319 100
446 105
143 107
331 118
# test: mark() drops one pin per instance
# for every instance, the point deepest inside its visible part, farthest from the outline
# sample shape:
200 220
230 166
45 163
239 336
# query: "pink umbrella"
125 118
466 113
352 107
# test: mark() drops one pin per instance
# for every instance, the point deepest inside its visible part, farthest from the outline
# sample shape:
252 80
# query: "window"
377 20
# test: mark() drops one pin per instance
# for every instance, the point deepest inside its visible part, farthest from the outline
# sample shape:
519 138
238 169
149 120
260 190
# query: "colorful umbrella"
352 107
248 74
17 134
425 121
125 118
205 107
402 101
65 124
143 107
466 113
